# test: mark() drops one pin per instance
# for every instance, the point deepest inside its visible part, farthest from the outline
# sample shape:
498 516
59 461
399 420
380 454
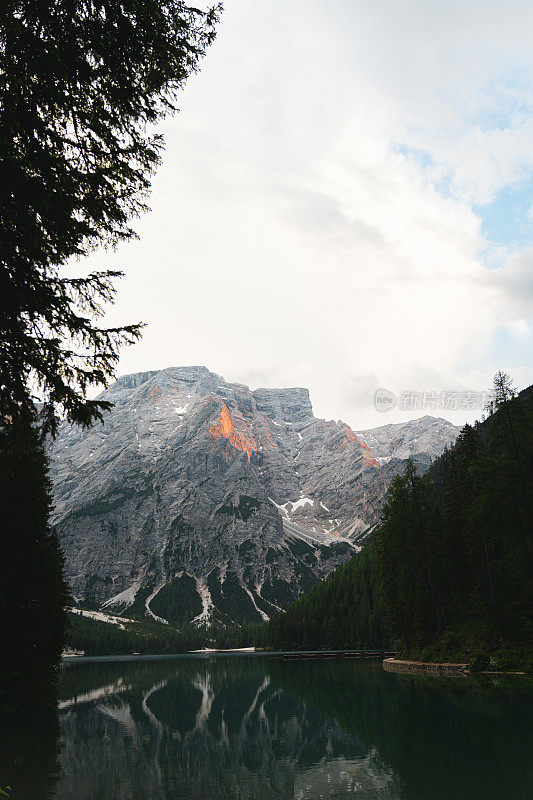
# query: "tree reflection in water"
29 747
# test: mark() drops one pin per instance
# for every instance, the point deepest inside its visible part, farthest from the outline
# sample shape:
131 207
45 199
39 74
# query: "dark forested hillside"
449 572
343 611
455 545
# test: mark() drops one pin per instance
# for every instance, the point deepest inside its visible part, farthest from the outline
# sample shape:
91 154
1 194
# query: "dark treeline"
251 634
448 574
94 637
341 612
33 593
455 545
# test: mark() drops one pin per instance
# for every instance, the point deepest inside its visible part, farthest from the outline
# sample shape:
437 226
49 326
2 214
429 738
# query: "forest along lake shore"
292 655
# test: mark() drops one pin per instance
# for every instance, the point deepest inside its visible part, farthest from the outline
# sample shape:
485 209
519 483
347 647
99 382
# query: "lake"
259 727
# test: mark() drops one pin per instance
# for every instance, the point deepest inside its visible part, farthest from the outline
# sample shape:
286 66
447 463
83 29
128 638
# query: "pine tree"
33 593
459 539
81 87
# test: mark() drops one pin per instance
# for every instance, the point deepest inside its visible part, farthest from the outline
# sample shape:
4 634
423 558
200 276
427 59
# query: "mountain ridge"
200 500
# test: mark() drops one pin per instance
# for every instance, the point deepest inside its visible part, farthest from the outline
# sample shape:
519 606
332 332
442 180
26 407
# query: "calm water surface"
252 728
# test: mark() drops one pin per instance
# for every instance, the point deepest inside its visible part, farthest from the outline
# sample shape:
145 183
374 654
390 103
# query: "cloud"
514 283
359 390
317 220
321 215
518 327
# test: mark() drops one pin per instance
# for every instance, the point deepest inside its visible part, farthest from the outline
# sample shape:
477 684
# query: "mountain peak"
158 511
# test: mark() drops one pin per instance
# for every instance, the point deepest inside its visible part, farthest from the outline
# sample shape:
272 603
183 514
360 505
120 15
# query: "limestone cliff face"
200 500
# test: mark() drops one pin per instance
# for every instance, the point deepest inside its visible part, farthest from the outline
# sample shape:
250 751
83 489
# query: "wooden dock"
307 655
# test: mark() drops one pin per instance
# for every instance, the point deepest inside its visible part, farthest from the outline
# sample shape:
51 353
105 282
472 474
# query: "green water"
258 727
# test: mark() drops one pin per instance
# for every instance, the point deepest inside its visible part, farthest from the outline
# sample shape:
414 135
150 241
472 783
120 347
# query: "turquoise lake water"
261 728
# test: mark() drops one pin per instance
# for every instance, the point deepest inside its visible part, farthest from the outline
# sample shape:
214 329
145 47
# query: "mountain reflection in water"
248 728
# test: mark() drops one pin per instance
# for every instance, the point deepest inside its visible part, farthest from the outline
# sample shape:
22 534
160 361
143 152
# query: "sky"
345 203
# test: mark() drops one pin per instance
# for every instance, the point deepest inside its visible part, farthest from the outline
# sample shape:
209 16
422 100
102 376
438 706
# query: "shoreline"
448 669
445 669
365 657
68 654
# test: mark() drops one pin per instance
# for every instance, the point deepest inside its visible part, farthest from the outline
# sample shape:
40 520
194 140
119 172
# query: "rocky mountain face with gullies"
201 501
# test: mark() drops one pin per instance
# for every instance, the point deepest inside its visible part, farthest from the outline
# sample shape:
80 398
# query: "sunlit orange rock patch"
225 429
369 460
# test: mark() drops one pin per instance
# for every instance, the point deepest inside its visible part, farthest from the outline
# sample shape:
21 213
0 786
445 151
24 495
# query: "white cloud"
518 327
513 282
298 236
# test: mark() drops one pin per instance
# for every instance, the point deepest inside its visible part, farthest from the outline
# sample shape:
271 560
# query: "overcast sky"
345 203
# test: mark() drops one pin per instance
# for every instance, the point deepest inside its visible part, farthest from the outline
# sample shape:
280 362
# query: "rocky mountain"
200 501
